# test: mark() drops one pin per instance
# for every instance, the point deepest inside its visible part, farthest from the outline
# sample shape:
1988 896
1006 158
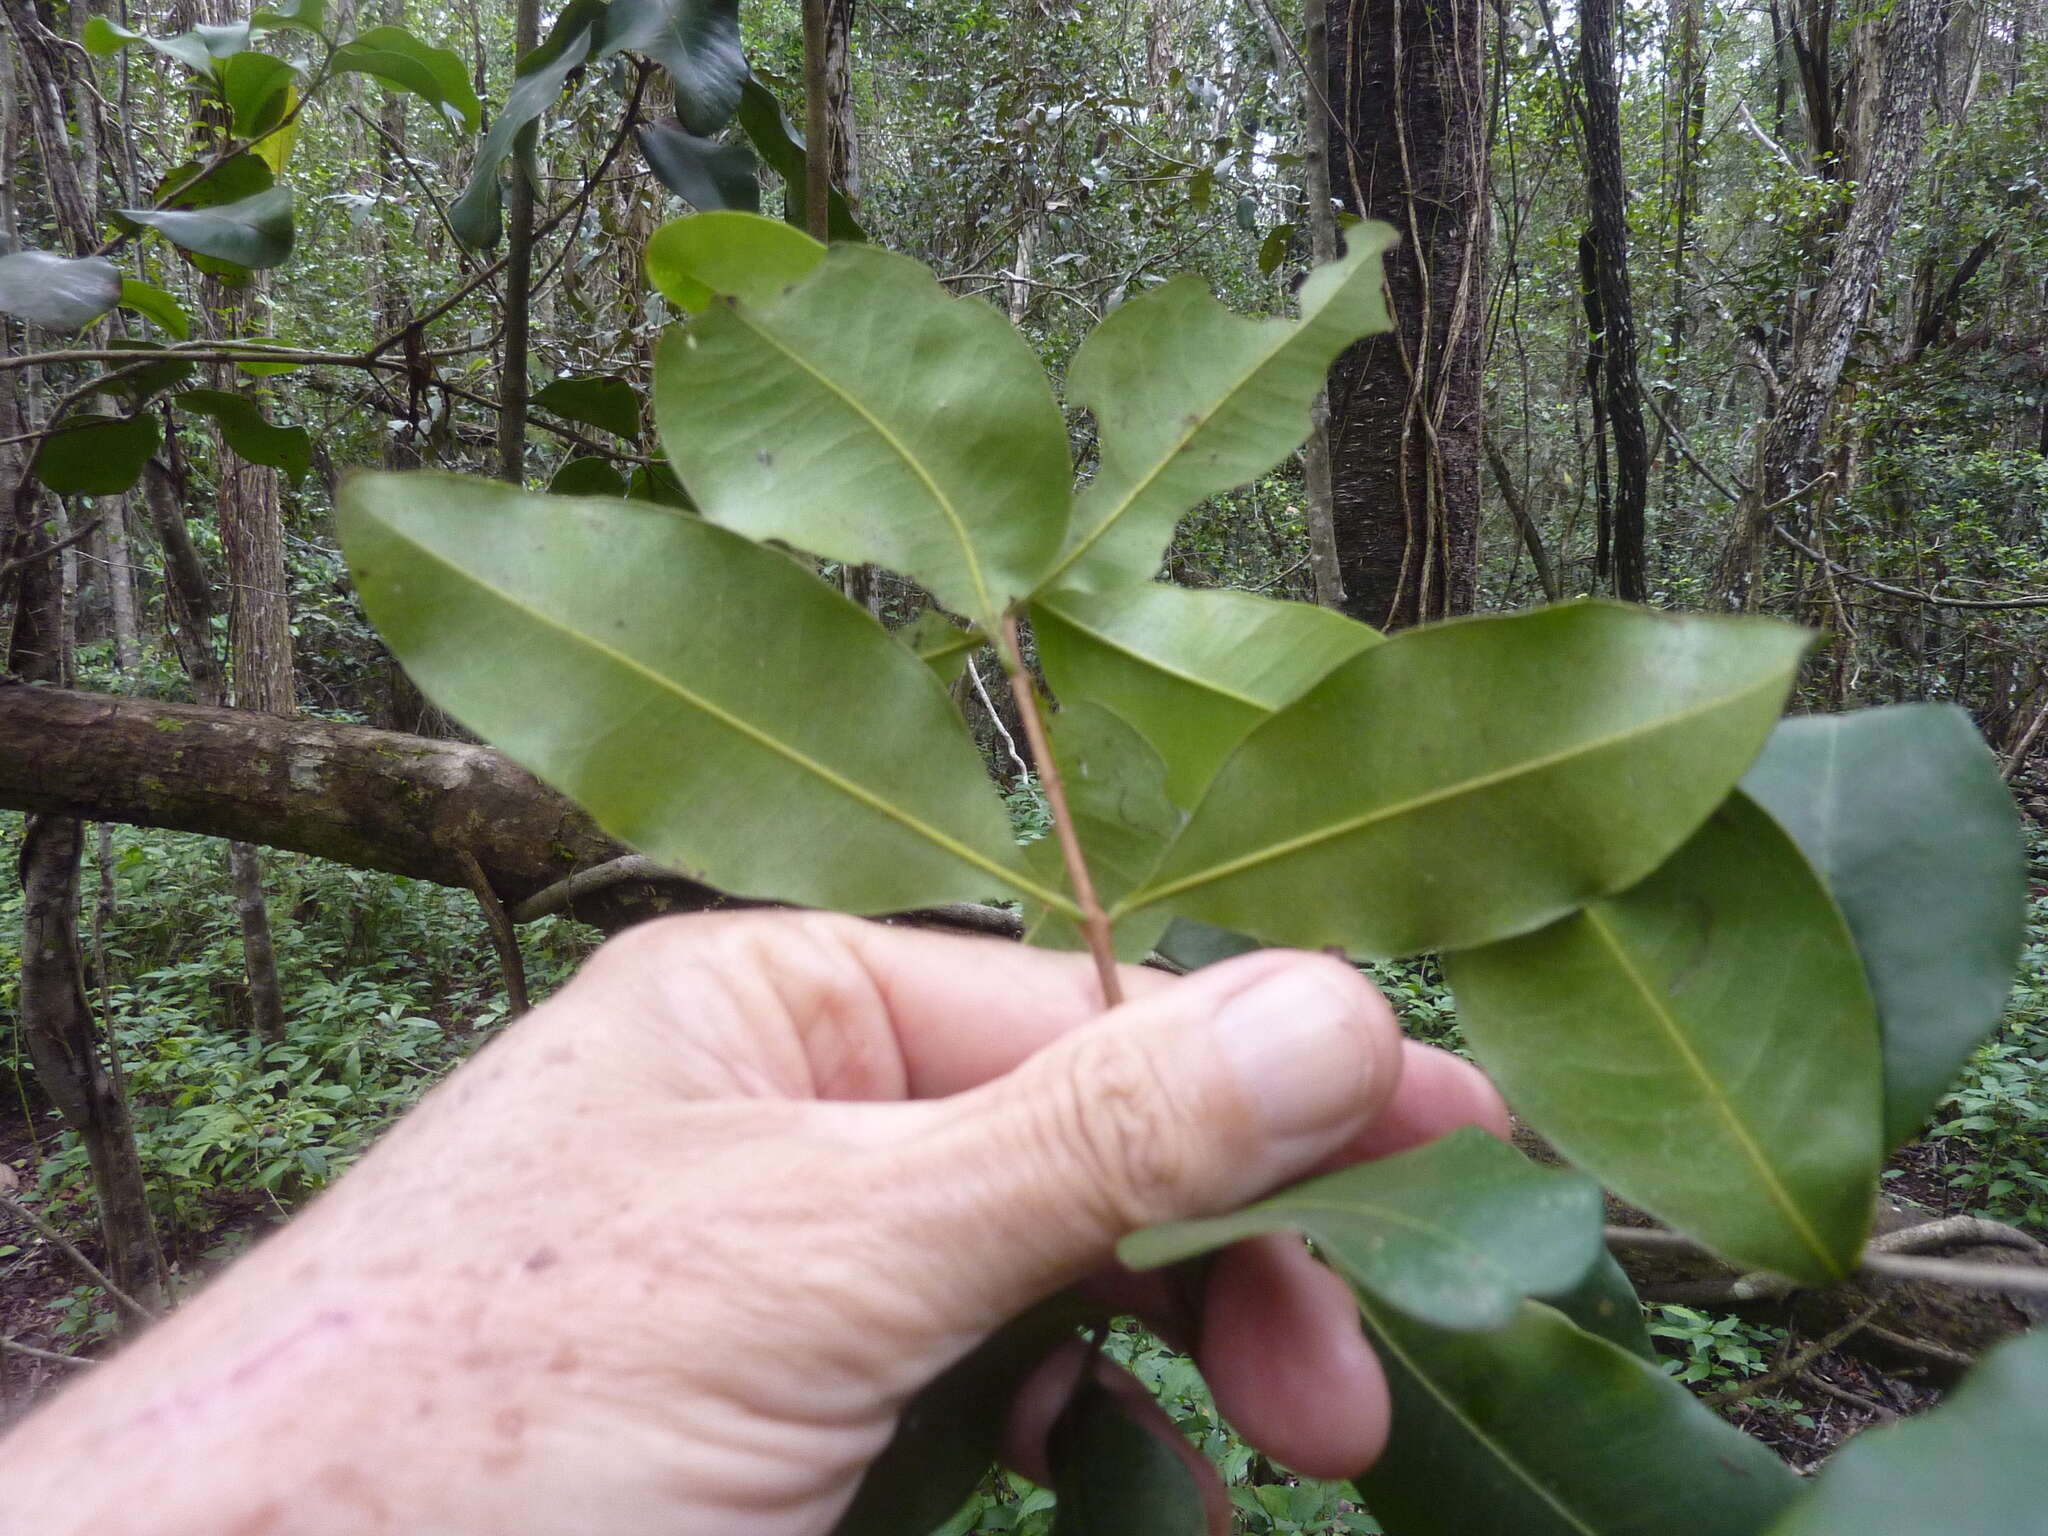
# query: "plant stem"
1094 921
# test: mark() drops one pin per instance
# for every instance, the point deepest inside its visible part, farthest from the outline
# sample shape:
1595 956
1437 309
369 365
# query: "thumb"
1191 1101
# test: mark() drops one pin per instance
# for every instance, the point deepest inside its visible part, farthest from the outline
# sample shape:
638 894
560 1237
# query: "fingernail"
1296 1043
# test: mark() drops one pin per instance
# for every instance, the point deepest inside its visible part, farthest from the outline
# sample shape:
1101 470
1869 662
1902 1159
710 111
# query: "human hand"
673 1252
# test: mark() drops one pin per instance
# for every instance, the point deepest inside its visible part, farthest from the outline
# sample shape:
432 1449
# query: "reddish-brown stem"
1094 921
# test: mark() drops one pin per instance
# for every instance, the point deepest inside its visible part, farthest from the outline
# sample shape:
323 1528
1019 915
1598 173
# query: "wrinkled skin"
671 1253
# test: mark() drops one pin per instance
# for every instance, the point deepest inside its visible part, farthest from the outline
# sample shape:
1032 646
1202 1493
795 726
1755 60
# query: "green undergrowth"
387 982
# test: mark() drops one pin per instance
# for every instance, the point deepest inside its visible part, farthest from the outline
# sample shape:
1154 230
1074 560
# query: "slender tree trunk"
1607 201
1789 481
513 389
1319 513
1407 82
56 1022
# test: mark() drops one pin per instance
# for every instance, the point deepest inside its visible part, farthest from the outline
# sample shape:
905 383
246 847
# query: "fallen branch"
79 1261
11 1347
1879 1260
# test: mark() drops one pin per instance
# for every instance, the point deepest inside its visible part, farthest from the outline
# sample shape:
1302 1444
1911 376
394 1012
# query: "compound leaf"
1456 1232
1466 781
1704 1043
1192 400
707 699
1905 816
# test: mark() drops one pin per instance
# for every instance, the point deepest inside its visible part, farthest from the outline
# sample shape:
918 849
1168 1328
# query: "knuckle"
1116 1117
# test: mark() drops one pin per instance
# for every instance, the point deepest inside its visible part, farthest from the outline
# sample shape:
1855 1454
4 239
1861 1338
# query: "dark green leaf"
704 173
96 455
1542 1429
696 41
1972 1467
1704 1043
868 373
950 1432
253 233
596 400
1248 213
436 75
706 698
588 476
941 644
155 304
1903 812
1605 1303
59 293
658 483
1192 400
1193 671
778 143
1466 781
146 381
477 216
1116 1476
1273 249
104 38
256 88
1455 1232
245 429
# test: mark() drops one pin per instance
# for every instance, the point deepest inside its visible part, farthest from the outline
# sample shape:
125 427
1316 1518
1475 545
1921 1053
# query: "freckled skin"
672 1252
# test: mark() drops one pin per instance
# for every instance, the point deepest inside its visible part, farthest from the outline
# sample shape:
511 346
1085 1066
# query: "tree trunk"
512 380
1607 201
1319 511
1407 82
1790 459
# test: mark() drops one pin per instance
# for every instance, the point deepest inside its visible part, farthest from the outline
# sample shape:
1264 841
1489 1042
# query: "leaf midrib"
1717 1096
896 445
1415 803
1284 1216
734 723
1500 1453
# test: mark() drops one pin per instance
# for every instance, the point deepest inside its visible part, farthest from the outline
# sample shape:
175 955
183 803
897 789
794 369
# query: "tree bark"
1607 200
513 389
1320 509
1407 82
1789 459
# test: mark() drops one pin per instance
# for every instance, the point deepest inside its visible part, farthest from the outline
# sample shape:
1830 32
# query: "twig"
1792 1367
84 1266
76 536
511 964
1761 1285
1776 149
10 1347
1851 1399
1002 730
1931 599
1094 921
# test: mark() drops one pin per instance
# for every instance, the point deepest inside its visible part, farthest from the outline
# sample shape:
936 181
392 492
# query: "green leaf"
256 88
1116 793
252 367
155 304
245 429
595 400
941 644
1905 815
1605 1303
1456 1232
696 41
1704 1043
437 76
1115 1475
657 483
290 15
477 216
588 476
198 48
869 374
1542 1429
704 173
707 699
1192 945
1466 781
778 143
1192 400
695 261
951 1431
1972 1467
253 233
103 38
1193 671
96 455
140 385
59 293
1273 249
